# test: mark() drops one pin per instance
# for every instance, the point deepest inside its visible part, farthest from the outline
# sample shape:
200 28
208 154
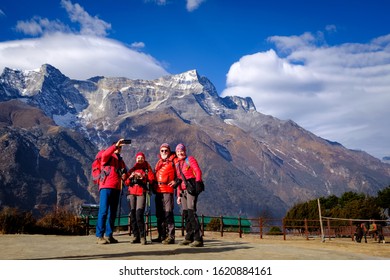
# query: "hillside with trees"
350 205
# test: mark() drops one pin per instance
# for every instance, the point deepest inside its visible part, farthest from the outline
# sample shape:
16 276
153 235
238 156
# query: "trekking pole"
120 199
147 213
120 205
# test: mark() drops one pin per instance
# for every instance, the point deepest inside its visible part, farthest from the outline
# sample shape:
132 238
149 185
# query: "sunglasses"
164 151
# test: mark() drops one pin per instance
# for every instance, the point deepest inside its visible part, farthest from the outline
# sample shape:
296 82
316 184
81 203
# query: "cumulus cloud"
38 26
89 25
158 2
192 5
138 45
339 92
79 54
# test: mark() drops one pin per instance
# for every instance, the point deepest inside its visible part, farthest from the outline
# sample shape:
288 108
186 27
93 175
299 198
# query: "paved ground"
49 247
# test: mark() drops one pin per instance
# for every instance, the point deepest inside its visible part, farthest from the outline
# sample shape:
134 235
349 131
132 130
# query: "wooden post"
87 222
261 227
352 232
321 226
306 229
284 228
221 225
239 227
328 223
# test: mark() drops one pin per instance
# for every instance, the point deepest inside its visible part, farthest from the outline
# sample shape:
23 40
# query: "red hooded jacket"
145 174
114 164
191 170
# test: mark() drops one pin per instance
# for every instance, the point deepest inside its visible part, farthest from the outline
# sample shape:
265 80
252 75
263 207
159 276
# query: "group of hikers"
368 228
174 172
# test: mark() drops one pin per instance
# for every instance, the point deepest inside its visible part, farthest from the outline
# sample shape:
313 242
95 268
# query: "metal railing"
261 227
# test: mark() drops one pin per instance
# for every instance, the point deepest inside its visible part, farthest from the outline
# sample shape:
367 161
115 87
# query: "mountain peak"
186 78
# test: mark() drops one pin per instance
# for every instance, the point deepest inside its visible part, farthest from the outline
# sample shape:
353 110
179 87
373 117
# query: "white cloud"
89 25
158 2
138 45
80 57
340 92
78 54
38 26
192 5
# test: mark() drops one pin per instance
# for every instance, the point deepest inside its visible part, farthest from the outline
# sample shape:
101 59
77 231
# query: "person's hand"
179 200
119 143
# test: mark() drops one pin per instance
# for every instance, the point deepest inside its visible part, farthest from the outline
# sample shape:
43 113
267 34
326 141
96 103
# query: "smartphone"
127 141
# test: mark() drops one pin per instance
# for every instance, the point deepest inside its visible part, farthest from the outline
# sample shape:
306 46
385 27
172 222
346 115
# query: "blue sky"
323 64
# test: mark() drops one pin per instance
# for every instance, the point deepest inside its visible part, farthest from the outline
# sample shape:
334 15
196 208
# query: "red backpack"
99 172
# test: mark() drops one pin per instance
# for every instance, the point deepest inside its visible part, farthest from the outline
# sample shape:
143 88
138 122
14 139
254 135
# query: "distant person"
373 227
109 192
187 170
164 195
140 176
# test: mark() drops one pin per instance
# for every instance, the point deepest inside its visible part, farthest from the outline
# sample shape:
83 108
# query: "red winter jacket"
189 171
140 170
114 164
165 173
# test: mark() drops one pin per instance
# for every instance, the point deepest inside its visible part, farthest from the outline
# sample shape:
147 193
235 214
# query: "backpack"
99 173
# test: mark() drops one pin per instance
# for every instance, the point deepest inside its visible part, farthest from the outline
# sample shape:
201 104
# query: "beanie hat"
181 147
165 145
140 154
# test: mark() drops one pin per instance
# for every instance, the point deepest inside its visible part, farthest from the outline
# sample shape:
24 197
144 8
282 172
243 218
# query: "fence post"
306 229
87 222
221 225
261 227
284 228
352 233
239 227
328 223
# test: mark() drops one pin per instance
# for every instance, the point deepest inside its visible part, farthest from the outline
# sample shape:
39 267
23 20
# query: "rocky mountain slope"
253 164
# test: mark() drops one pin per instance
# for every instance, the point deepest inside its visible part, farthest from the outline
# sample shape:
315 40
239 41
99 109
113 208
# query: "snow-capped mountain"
253 163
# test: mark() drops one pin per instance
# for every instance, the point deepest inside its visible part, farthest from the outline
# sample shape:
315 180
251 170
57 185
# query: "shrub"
214 225
60 222
13 221
275 231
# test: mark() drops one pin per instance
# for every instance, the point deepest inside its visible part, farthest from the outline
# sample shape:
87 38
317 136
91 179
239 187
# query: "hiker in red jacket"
109 192
140 176
164 199
190 175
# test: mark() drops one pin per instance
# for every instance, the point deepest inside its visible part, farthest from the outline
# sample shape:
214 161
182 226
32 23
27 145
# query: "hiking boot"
168 240
135 240
185 242
143 241
196 243
101 241
158 239
111 240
